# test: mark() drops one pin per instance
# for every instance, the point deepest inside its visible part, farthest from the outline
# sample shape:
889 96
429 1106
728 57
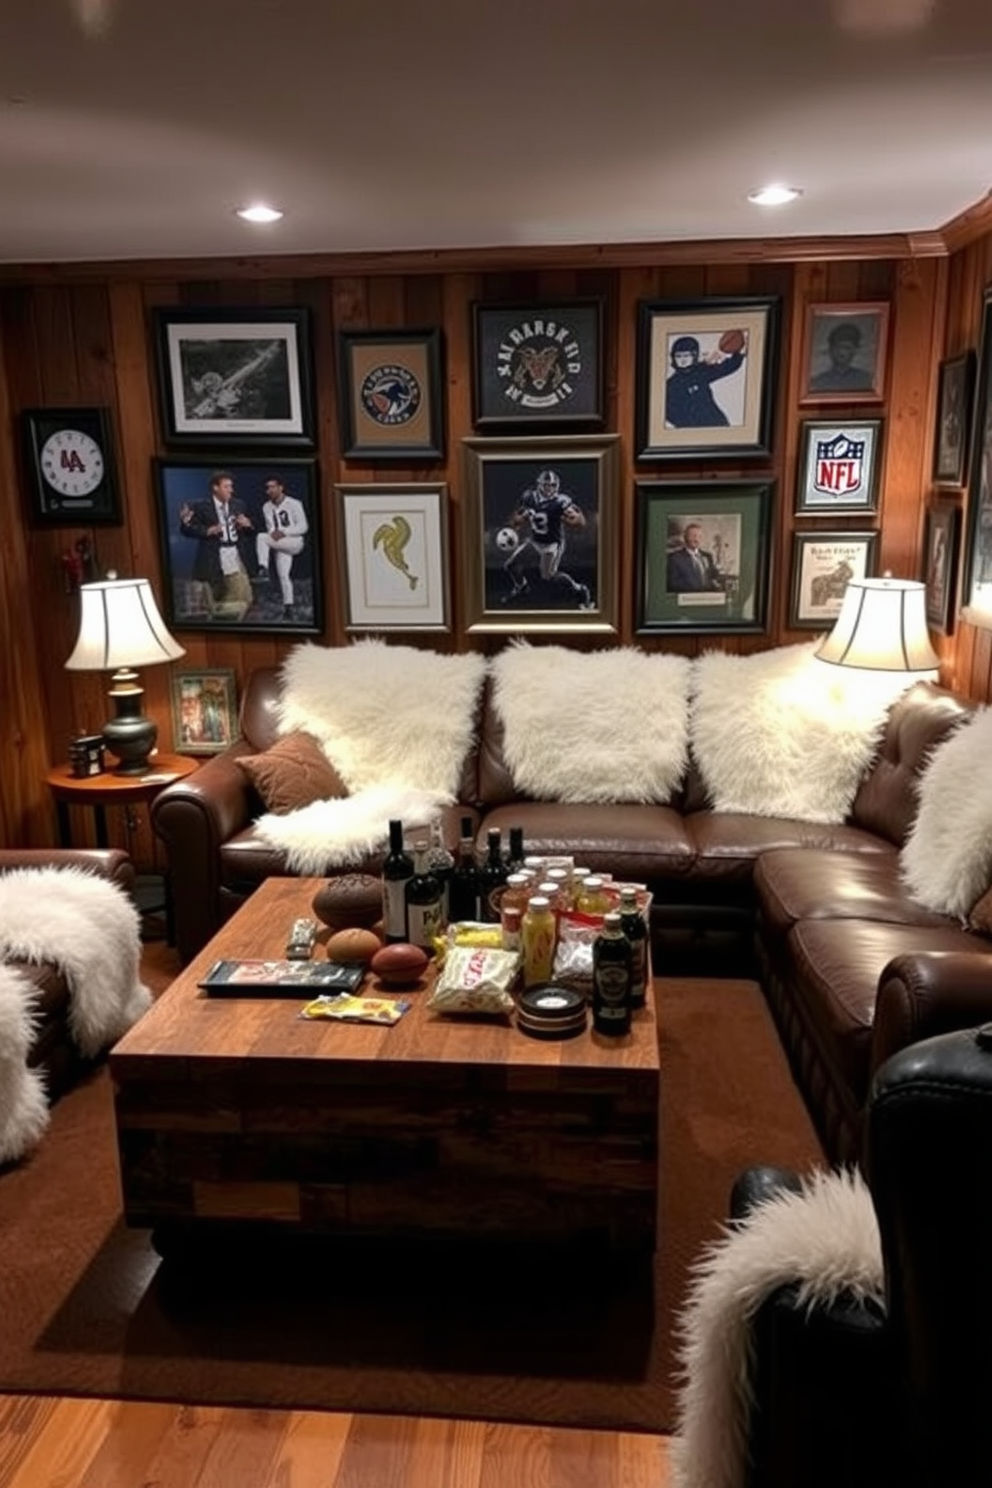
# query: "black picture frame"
976 585
952 432
390 395
725 589
497 474
941 544
537 364
823 564
677 417
193 584
70 467
235 377
839 465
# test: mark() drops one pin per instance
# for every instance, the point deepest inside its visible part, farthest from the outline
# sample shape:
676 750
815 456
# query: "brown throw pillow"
980 918
293 773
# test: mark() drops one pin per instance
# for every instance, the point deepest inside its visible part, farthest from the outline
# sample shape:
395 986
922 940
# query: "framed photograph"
705 378
537 364
235 376
940 563
204 710
839 462
823 563
844 353
976 587
955 389
540 534
390 391
70 467
241 548
394 554
703 555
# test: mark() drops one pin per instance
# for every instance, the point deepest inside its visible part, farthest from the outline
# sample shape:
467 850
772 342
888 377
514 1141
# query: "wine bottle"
423 902
463 890
492 875
633 926
515 856
611 967
442 865
397 870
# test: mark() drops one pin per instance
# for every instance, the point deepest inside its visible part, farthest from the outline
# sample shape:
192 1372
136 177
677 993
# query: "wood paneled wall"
72 337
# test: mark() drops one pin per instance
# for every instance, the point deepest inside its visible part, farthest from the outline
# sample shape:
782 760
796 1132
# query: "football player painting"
542 515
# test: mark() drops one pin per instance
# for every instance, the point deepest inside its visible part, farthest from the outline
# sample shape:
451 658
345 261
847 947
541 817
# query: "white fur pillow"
592 726
779 733
946 860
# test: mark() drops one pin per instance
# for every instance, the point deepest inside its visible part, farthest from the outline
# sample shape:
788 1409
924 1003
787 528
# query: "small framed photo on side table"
204 710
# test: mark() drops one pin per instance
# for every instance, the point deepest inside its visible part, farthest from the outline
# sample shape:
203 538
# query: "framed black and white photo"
703 556
823 564
235 376
537 364
241 547
394 553
539 544
391 395
844 353
70 467
839 464
204 710
706 374
955 391
976 586
940 563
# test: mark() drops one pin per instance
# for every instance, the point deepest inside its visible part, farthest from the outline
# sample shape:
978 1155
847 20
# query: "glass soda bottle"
537 938
611 977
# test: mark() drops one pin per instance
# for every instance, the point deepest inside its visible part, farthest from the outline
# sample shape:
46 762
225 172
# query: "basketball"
732 341
507 539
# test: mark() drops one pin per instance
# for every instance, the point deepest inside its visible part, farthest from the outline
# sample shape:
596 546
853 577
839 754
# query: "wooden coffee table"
232 1110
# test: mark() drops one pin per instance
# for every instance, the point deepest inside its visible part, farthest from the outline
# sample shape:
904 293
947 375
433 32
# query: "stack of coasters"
550 1011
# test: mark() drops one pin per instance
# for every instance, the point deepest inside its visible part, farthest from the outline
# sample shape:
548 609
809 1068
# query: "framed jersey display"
540 534
70 467
390 390
537 364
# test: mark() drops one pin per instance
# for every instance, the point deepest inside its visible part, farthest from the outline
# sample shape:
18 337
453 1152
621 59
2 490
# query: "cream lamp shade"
120 628
882 627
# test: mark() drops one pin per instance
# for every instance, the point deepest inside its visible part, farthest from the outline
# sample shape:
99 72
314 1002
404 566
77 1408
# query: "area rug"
88 1308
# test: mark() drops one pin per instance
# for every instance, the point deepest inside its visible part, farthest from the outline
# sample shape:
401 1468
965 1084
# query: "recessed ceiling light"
259 213
773 196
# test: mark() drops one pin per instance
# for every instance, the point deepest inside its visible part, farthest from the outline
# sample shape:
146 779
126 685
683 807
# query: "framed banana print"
823 564
838 466
394 555
940 559
390 395
703 553
955 390
540 534
537 364
705 383
204 710
235 376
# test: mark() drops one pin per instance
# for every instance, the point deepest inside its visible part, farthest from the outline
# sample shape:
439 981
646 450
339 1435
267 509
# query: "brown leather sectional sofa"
819 909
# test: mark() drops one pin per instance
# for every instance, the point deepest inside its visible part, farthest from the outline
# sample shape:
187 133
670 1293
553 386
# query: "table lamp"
882 627
120 628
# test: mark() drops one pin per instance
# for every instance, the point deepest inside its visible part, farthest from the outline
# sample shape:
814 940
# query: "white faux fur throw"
606 725
88 927
778 733
346 833
825 1239
946 860
23 1107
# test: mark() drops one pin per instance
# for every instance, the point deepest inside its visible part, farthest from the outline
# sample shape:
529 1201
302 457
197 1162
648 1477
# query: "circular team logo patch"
391 395
538 363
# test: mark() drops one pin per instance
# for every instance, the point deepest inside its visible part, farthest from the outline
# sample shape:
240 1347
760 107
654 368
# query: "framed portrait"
394 556
703 554
204 710
235 376
537 364
955 390
823 564
390 392
540 534
976 587
70 467
839 462
844 353
940 563
705 382
241 547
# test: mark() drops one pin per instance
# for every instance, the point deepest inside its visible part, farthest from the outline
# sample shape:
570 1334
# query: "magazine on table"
280 978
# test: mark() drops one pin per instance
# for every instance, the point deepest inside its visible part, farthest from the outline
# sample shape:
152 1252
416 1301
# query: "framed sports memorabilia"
940 558
540 534
390 390
955 389
394 556
823 564
235 376
537 364
844 353
838 466
204 710
705 378
703 553
70 467
976 585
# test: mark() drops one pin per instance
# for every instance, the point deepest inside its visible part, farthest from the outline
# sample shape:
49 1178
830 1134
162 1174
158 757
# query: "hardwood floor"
63 1443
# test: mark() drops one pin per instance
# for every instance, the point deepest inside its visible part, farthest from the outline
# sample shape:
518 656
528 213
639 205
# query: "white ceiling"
134 128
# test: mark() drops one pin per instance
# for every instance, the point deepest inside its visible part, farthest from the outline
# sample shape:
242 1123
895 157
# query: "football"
507 539
732 341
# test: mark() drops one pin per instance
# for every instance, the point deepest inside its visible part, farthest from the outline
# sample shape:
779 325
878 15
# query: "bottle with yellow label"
537 934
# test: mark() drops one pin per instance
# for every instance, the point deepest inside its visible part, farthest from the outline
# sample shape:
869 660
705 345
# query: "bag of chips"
475 979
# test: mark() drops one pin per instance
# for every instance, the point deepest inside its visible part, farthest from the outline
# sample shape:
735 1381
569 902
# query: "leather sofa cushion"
634 842
799 884
726 843
295 772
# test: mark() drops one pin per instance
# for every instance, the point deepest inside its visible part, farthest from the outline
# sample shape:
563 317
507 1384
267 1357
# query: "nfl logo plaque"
838 468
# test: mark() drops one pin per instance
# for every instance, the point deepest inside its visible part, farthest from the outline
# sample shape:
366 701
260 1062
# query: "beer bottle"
611 968
423 902
515 856
463 890
492 875
633 926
